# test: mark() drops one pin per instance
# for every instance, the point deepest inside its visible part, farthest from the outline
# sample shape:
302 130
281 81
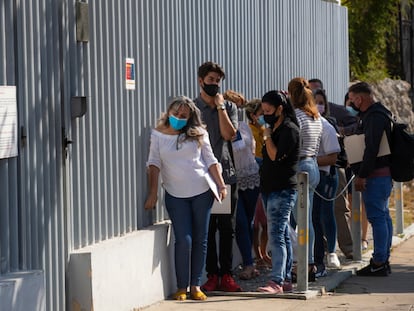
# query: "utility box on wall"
78 106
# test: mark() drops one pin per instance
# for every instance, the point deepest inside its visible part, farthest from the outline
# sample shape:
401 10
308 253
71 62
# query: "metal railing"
303 230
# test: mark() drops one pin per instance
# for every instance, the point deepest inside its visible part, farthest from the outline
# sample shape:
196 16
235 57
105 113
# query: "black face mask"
211 89
271 119
352 104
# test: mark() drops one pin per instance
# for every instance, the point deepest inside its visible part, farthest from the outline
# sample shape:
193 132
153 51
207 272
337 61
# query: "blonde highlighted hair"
252 107
193 129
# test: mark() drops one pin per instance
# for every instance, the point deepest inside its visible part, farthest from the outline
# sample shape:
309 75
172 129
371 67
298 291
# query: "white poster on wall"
8 122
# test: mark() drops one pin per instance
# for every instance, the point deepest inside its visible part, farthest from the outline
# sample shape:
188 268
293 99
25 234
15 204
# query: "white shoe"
364 245
333 261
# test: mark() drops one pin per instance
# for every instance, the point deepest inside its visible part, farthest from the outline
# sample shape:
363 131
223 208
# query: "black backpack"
402 152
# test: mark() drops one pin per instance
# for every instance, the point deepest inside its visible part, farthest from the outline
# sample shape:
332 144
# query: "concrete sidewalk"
340 289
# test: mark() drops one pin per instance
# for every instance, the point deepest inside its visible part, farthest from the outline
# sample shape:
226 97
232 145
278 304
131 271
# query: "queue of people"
257 163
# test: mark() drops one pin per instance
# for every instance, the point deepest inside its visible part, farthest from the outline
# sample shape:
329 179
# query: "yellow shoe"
198 295
181 295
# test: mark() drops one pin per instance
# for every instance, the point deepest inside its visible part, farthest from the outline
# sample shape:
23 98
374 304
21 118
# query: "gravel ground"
264 276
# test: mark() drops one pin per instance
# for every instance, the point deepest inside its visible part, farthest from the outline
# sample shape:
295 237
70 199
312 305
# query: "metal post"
303 231
356 224
399 209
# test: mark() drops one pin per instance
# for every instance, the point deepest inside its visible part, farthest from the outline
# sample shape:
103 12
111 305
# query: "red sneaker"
229 285
211 284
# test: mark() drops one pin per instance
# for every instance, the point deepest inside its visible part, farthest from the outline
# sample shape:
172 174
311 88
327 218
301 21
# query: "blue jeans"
190 217
278 206
376 197
310 166
323 216
246 206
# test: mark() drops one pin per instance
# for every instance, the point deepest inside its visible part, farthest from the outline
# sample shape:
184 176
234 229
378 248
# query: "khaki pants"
343 216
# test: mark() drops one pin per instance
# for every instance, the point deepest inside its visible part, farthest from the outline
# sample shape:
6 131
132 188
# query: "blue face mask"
261 120
352 110
176 123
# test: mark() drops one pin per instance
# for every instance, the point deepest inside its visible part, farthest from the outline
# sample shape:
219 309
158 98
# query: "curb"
311 293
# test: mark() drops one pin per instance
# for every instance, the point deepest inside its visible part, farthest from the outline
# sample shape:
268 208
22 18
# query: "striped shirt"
310 134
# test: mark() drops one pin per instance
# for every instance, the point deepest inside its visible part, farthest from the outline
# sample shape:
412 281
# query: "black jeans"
221 263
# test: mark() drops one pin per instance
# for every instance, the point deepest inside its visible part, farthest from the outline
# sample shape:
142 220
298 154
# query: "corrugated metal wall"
8 168
32 231
261 44
55 200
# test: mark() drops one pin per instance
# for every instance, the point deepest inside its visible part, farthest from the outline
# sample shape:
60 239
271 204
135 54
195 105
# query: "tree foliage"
373 47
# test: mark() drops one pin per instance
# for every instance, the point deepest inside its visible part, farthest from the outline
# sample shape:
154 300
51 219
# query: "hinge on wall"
66 142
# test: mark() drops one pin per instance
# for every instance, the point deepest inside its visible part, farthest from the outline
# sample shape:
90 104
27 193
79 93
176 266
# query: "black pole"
401 47
411 42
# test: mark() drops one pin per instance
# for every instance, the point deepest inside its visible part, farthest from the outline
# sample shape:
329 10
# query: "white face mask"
321 108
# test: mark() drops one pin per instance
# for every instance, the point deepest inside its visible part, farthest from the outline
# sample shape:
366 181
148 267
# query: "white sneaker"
333 261
364 245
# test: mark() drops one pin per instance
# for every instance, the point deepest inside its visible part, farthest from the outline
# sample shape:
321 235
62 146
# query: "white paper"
213 186
8 122
355 147
238 142
223 207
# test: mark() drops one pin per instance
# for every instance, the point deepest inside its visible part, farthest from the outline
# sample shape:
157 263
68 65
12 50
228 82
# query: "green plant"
373 38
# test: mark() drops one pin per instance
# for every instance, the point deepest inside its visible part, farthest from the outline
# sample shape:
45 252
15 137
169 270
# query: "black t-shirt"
280 174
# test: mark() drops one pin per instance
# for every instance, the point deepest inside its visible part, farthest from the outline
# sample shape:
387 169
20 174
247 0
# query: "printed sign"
8 122
130 74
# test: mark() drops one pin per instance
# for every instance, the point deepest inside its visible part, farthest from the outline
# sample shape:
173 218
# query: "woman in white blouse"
180 150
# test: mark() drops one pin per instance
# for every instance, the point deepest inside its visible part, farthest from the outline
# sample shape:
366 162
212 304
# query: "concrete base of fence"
21 291
124 273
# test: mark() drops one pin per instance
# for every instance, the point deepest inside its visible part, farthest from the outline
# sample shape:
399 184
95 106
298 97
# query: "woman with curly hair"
181 144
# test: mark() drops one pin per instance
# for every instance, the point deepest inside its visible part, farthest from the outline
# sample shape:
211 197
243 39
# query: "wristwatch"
222 107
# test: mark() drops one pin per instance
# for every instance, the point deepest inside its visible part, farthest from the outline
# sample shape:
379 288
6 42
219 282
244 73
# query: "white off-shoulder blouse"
182 164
